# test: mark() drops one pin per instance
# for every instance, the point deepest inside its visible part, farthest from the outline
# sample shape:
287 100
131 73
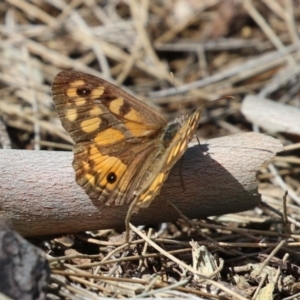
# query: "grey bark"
24 271
39 195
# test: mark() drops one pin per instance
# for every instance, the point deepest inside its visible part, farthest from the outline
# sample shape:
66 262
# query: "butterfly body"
123 149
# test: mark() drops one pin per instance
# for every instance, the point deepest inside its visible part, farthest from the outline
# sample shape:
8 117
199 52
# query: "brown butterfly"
123 149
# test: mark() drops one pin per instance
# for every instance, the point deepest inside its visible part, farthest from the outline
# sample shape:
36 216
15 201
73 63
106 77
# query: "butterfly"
123 148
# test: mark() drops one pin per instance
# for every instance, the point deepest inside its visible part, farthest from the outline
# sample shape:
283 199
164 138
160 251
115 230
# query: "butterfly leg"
128 217
127 225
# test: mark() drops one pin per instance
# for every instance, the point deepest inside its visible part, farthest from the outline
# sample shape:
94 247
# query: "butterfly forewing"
88 105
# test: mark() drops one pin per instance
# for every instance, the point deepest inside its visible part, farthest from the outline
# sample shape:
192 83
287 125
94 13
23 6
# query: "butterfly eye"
83 91
111 177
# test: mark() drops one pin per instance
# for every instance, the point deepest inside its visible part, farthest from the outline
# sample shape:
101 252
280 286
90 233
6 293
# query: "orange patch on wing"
72 90
137 130
157 181
97 92
133 115
95 111
71 114
90 178
152 190
93 150
80 101
109 136
170 157
183 146
176 150
115 105
90 125
105 164
77 83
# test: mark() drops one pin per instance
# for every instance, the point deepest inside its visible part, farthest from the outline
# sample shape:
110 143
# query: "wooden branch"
39 196
271 115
